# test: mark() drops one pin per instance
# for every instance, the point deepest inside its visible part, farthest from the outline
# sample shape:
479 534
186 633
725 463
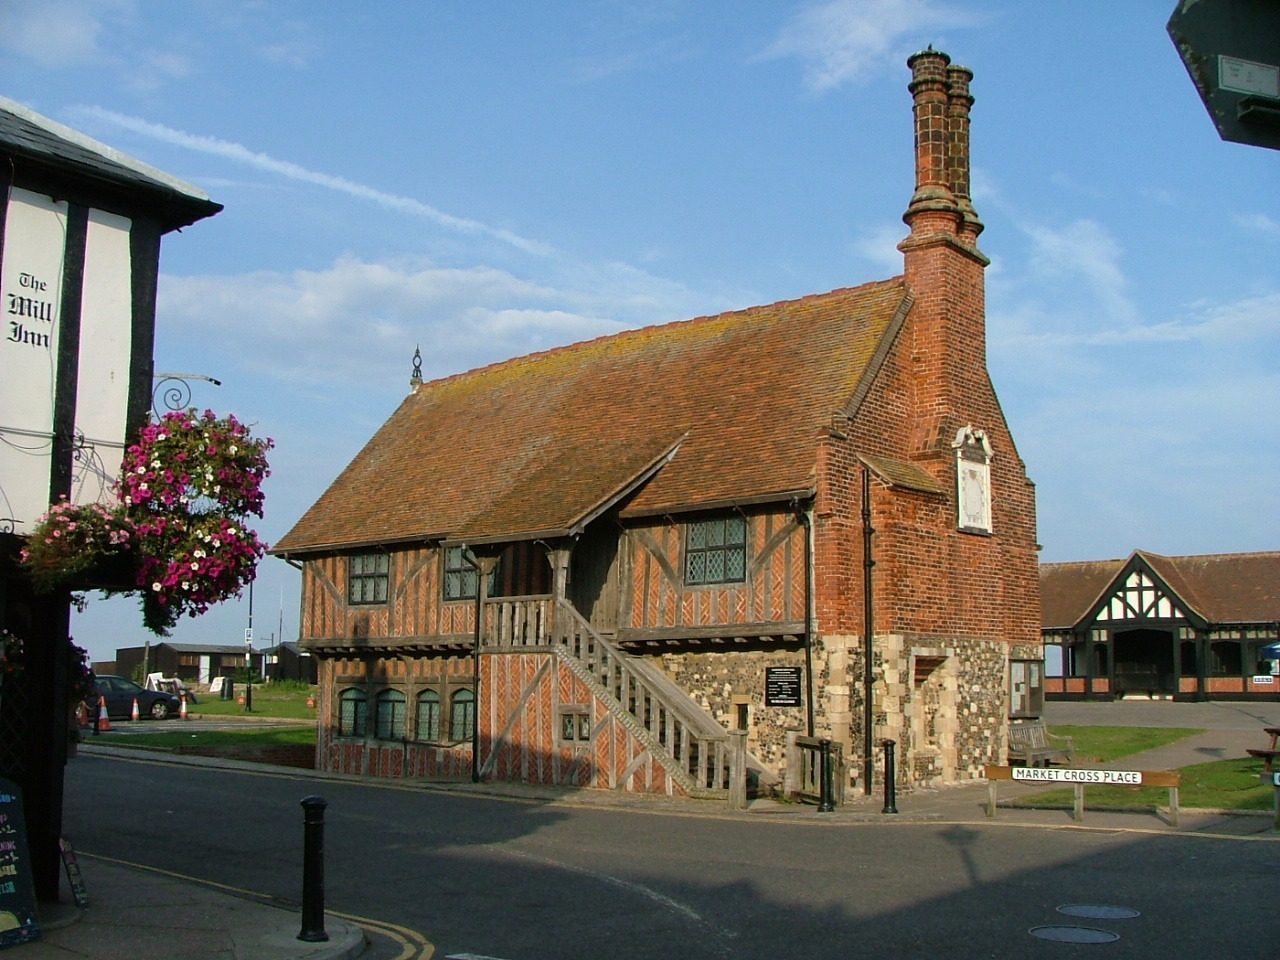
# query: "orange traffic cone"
134 715
182 707
104 722
82 715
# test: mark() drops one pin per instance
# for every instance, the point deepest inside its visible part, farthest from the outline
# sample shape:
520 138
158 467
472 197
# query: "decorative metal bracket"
174 392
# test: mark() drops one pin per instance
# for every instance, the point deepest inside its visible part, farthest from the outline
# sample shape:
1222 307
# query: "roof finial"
415 378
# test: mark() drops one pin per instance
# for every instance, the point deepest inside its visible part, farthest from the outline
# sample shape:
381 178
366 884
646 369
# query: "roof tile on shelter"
1221 588
533 445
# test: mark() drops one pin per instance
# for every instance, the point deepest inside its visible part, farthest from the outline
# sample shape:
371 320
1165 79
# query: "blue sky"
485 180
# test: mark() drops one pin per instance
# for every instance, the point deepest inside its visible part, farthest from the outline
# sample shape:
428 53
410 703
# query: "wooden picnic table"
1269 754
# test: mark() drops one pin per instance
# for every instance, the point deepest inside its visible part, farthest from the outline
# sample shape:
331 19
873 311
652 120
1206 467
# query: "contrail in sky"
239 153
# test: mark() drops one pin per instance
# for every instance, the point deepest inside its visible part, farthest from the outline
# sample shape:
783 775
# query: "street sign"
1127 778
1231 49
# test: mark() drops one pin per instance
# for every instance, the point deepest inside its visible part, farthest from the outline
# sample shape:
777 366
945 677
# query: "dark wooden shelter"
1196 627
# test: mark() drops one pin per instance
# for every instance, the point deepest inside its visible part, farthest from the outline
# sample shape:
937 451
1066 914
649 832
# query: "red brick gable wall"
929 577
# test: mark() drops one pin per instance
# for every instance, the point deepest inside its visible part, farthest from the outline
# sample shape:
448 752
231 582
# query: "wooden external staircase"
695 750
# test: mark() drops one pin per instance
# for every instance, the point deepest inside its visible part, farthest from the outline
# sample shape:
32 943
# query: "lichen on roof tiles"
532 442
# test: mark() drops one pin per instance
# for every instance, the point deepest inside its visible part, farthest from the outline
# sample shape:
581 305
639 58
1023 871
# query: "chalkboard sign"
782 687
74 876
17 893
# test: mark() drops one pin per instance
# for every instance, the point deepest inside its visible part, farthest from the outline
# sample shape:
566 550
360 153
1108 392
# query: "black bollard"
825 803
313 871
890 780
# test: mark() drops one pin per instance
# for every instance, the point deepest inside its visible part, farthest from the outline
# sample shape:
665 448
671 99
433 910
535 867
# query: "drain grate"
1094 911
1069 934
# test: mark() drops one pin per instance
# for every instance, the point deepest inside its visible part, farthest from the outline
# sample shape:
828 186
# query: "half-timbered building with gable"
590 566
1188 628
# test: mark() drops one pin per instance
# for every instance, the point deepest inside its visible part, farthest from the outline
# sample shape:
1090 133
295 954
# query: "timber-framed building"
590 566
1201 627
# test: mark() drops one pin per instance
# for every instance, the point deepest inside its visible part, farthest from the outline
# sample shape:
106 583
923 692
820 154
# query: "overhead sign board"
1231 49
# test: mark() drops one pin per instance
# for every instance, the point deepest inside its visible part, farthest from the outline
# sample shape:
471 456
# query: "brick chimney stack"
959 100
942 265
931 108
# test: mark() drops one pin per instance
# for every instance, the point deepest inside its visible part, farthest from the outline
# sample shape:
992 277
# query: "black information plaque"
17 892
782 687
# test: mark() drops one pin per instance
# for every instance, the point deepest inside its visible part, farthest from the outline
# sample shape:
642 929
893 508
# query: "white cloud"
297 53
152 70
1261 223
344 324
1086 253
880 246
238 153
57 33
846 41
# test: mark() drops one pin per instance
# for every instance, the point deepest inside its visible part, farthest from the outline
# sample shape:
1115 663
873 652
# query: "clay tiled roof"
1222 588
726 409
902 473
1069 590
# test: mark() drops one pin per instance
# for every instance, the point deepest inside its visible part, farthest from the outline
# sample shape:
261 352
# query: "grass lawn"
1104 744
286 700
282 745
179 738
1222 784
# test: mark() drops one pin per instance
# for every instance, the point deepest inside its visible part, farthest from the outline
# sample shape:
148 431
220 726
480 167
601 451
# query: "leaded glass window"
460 578
367 577
429 716
462 715
716 551
353 707
388 722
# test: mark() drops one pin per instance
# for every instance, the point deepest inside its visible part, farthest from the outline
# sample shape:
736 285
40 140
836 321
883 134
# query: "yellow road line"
413 945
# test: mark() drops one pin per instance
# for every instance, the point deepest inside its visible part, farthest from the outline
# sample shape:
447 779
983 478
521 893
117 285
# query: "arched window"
353 709
388 721
429 716
462 715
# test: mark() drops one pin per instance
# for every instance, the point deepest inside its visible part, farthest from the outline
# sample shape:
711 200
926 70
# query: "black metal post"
313 870
248 697
868 631
825 803
890 780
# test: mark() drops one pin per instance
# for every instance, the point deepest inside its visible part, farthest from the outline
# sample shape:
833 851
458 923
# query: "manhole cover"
1095 911
1074 934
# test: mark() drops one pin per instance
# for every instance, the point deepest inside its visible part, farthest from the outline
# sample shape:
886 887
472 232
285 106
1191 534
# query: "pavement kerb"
960 803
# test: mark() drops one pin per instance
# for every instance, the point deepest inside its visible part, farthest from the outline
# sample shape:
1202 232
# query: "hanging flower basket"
74 545
178 534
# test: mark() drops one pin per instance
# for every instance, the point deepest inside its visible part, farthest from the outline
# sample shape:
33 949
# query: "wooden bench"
1267 756
1029 744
